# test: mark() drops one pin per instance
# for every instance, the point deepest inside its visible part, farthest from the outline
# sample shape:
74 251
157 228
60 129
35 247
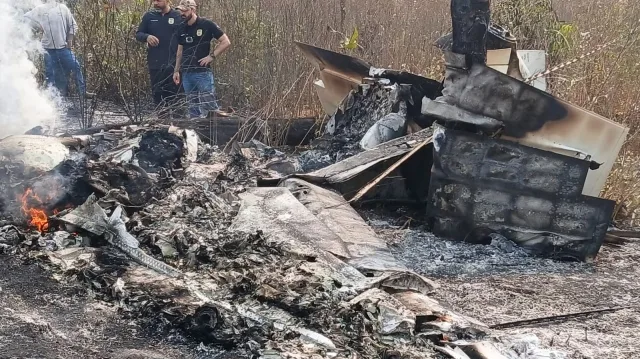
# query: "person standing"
59 29
194 58
158 29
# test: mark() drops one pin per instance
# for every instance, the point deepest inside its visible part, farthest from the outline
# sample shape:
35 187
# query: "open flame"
32 208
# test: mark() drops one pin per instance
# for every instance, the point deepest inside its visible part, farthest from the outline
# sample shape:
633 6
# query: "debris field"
455 219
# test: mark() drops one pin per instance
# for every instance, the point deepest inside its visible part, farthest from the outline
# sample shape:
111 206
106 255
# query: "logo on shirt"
199 32
188 39
171 21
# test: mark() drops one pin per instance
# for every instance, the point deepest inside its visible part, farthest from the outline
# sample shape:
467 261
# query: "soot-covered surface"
501 283
363 109
41 318
530 196
434 257
431 256
160 149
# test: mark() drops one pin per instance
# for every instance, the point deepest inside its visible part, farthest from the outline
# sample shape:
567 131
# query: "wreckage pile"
183 239
197 249
259 253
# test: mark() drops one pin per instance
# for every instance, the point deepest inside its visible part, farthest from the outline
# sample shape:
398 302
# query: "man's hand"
206 61
152 41
176 78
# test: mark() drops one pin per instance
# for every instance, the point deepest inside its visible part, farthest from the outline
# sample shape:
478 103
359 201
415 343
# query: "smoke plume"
23 105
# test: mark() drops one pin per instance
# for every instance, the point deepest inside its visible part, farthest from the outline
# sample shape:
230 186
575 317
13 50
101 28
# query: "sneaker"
89 95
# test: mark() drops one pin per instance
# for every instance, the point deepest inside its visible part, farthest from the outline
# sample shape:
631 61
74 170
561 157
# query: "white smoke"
23 105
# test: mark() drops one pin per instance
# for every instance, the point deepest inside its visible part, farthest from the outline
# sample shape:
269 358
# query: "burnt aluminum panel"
480 185
488 93
352 68
340 74
584 132
497 103
505 164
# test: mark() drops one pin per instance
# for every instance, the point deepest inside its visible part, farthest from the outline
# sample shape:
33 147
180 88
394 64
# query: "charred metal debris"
257 250
503 157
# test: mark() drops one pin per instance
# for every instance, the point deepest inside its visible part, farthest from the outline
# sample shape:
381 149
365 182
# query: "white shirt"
56 21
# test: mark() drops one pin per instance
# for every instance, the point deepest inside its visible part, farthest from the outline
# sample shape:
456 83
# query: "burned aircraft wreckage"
502 156
282 264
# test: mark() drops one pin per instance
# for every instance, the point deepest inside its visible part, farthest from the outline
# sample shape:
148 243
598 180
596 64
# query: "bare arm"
222 46
178 59
176 70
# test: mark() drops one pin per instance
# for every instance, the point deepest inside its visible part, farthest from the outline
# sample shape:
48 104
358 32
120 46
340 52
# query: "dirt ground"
614 283
500 286
41 318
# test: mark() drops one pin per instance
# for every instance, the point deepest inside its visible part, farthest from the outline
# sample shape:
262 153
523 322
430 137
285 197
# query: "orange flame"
37 217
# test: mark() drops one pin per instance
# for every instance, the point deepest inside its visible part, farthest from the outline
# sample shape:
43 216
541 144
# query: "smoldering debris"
235 283
258 252
379 108
288 270
160 149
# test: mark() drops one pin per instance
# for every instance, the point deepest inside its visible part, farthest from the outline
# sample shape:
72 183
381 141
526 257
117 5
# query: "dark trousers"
166 94
59 64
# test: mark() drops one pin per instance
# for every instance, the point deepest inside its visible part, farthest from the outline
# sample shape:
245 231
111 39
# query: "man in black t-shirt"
158 29
194 58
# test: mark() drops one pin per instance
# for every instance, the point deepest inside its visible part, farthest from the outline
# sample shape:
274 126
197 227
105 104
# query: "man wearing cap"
194 58
158 29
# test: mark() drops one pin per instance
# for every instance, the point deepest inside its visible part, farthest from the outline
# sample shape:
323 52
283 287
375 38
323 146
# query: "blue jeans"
59 63
200 91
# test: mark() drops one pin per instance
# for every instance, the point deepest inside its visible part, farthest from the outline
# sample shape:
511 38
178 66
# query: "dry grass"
266 76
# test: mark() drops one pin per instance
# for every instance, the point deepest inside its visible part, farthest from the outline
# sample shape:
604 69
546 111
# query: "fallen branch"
616 240
555 318
625 234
